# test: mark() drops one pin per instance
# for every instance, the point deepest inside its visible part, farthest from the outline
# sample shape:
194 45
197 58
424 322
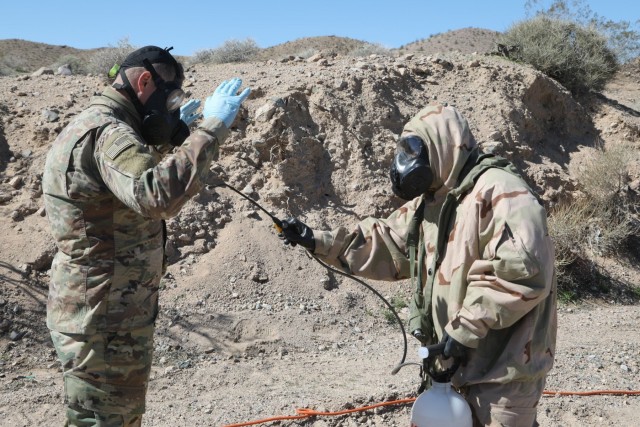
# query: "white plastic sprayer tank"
440 406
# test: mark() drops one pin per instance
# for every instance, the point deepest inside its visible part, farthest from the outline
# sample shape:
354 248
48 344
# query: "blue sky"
190 26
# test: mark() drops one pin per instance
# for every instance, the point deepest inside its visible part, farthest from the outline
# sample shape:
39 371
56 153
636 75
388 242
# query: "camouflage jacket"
494 287
106 193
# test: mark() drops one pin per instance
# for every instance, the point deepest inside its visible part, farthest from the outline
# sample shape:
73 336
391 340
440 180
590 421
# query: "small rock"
265 113
16 182
16 336
4 197
42 71
64 70
50 115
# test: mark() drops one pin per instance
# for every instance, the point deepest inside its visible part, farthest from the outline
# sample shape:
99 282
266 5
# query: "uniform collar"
120 103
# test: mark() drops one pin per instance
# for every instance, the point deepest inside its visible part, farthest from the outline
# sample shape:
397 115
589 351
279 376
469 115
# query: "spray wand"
279 226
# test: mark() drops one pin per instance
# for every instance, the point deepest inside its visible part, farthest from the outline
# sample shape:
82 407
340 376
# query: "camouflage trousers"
504 405
105 376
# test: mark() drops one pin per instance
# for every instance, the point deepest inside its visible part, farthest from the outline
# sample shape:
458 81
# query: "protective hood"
449 142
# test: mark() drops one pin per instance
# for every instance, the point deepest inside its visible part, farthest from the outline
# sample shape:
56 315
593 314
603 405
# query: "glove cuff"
214 127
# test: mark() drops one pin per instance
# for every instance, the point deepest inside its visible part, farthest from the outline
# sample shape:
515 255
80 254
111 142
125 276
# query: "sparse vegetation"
76 65
576 56
306 53
622 37
102 61
465 40
598 224
398 303
366 49
231 51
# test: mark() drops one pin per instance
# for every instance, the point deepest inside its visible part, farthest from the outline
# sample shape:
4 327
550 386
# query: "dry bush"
10 65
567 229
601 222
366 49
231 51
101 62
606 172
77 65
306 53
604 178
577 56
622 37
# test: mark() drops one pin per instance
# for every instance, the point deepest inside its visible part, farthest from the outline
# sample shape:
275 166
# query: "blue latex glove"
224 103
188 112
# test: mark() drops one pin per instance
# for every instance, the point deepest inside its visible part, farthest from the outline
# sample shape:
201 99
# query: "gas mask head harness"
410 172
160 113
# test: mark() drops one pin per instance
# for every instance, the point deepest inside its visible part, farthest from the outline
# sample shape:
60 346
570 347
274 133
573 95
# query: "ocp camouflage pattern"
106 373
106 193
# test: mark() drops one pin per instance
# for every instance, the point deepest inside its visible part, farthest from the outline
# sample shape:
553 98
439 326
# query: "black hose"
278 225
366 285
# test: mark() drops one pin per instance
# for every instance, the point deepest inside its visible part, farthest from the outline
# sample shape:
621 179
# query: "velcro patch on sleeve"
118 146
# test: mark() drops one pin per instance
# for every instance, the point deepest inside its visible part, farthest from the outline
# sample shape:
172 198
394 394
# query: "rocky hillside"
465 40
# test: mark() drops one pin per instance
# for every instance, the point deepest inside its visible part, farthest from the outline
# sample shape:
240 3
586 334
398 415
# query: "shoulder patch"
118 146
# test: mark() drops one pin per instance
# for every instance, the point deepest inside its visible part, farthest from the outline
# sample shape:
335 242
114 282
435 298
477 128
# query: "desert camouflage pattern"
106 193
106 374
494 287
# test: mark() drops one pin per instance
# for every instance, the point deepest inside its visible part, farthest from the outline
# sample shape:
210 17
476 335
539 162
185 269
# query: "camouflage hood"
449 143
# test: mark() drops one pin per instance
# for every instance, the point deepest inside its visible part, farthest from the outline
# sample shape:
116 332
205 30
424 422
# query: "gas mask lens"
408 148
175 99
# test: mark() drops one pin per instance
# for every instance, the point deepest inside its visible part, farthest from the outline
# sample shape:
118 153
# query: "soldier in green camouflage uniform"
487 287
108 188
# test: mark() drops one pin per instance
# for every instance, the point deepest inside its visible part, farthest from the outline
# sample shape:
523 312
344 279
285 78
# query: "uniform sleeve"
157 190
375 249
515 271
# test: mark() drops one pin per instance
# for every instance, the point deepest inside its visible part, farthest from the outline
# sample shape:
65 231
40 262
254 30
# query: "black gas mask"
410 173
160 114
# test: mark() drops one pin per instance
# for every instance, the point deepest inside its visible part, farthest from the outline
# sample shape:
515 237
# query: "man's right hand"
453 348
296 232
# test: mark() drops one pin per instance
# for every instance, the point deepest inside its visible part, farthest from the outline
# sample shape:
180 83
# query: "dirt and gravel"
251 329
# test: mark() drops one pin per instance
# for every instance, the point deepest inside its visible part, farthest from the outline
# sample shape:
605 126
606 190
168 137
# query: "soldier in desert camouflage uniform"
486 283
108 187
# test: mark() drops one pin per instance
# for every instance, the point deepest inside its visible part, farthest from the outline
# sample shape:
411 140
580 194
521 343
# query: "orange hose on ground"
306 413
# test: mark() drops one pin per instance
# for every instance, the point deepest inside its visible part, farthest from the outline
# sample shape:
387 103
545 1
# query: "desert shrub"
575 55
306 53
5 70
366 49
231 51
12 64
604 173
622 37
603 179
101 62
601 222
77 65
566 227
